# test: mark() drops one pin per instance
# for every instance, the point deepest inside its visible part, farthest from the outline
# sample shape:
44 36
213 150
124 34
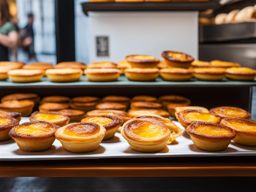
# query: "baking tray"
118 148
122 81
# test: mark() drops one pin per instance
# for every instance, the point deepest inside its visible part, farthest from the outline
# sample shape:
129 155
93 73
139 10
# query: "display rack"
132 7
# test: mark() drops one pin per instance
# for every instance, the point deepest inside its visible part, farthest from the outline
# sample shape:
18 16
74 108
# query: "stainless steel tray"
118 148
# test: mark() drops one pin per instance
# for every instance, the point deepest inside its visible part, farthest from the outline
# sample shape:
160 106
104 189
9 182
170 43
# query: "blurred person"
8 34
28 38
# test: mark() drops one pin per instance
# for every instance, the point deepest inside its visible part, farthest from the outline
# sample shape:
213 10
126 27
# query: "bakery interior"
127 95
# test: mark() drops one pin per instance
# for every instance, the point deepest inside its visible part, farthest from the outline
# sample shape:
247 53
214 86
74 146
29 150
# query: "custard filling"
48 117
33 130
213 131
99 120
148 130
205 117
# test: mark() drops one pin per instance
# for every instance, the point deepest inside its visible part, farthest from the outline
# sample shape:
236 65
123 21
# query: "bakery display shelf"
228 32
146 6
118 148
123 82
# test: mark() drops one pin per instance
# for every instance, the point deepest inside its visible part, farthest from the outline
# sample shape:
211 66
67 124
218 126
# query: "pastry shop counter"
147 6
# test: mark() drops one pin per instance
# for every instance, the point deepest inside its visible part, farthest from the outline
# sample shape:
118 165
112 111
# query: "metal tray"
118 148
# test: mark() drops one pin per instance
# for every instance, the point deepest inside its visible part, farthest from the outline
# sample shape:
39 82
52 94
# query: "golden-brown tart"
70 64
241 73
3 73
209 74
170 102
142 74
6 124
111 106
21 96
210 136
25 75
80 137
187 117
109 122
83 106
223 64
34 136
141 112
145 105
53 107
177 59
107 74
122 65
11 64
245 130
120 114
15 115
142 61
144 98
39 66
55 99
24 107
146 134
85 99
64 75
197 108
50 117
201 64
73 114
116 99
176 74
230 112
102 65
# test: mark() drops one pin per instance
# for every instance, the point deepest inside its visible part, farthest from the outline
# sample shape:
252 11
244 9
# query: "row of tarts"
210 130
175 66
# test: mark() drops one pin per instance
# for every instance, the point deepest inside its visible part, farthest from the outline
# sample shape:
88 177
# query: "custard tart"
176 74
116 99
209 74
49 117
145 105
102 75
200 64
146 135
80 137
83 106
70 65
223 64
140 112
210 136
112 106
109 122
15 115
187 117
120 114
11 64
55 99
245 130
103 65
3 73
142 61
48 107
25 75
144 98
39 66
230 112
37 136
138 74
21 96
64 75
6 124
177 59
73 114
24 107
197 108
241 73
85 99
123 65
